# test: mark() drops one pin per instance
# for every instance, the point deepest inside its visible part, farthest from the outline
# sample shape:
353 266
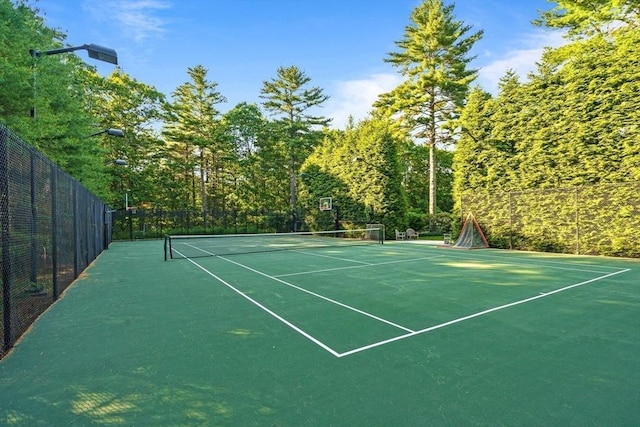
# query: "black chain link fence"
52 229
595 220
136 224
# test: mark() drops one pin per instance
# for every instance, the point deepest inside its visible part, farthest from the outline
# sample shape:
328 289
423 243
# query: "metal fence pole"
34 219
105 227
76 232
510 220
577 221
54 231
130 222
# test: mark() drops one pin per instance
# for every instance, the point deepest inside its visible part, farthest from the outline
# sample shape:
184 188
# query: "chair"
412 234
400 235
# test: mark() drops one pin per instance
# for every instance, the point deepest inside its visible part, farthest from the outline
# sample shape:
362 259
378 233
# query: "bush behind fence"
52 229
601 219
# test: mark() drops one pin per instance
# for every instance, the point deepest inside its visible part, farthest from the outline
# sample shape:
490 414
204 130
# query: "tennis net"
195 246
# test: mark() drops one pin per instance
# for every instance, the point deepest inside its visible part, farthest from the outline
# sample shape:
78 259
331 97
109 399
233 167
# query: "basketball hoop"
326 204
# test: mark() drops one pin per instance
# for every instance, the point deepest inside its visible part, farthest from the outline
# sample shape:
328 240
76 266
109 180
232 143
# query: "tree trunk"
432 179
294 199
203 188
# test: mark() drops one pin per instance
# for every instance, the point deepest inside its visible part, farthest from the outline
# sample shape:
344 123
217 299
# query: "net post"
167 247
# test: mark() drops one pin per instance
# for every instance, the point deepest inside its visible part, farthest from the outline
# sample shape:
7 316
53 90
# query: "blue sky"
339 44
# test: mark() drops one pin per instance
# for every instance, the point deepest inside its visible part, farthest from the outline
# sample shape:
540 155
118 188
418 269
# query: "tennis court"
400 333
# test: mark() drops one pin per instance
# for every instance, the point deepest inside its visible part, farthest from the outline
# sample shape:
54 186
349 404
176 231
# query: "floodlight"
111 132
95 51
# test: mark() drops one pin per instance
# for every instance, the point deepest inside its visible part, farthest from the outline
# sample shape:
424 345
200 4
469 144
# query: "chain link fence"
593 220
52 229
133 224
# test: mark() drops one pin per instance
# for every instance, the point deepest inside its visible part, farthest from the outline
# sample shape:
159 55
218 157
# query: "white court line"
481 313
280 318
357 266
364 313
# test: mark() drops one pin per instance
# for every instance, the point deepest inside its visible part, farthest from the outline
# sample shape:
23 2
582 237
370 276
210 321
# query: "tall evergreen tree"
433 57
193 130
472 156
290 101
574 122
245 125
507 122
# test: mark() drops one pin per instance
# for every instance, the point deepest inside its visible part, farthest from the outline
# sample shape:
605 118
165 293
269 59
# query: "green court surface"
400 334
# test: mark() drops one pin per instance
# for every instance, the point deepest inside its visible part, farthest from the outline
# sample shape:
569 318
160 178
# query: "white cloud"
522 59
356 97
136 18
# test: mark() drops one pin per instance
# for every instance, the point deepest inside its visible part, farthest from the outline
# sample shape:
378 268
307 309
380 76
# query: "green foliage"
359 168
572 125
596 220
184 155
289 100
194 136
414 166
133 107
587 18
430 224
55 88
433 58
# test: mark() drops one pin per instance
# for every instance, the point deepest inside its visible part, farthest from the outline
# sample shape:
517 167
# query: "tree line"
435 136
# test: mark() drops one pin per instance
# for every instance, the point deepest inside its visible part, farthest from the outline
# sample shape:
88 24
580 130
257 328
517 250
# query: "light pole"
95 51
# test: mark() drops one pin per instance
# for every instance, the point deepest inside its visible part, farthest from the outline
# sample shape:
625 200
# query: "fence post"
130 222
54 231
76 232
34 219
6 237
511 220
577 221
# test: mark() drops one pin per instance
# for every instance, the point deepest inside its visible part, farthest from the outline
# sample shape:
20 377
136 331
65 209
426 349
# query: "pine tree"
433 58
288 99
472 155
193 130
